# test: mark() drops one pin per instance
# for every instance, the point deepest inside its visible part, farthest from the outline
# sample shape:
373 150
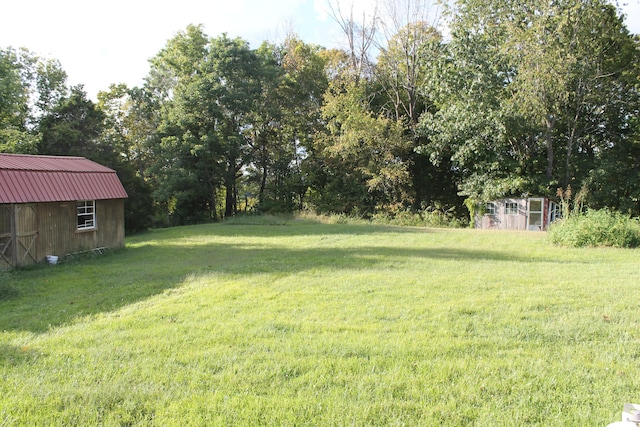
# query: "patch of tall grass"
259 219
429 218
596 228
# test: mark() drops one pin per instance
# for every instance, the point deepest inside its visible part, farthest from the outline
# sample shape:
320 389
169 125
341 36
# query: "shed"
53 205
534 214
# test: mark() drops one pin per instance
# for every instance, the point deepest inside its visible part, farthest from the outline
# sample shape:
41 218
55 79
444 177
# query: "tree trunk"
550 122
213 200
263 179
570 142
230 207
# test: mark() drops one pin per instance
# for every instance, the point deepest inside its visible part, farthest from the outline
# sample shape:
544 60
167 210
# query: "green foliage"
18 142
519 100
15 73
51 85
128 130
474 207
285 119
432 217
614 183
596 228
215 85
572 205
535 94
364 146
21 82
73 128
138 207
436 217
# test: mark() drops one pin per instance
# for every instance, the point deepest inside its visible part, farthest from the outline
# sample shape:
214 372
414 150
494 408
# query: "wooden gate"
26 234
6 237
18 235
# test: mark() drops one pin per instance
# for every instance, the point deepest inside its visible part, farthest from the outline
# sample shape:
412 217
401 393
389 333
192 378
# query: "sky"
103 42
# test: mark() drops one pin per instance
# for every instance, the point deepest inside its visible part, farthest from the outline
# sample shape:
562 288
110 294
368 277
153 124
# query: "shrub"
430 217
596 228
258 219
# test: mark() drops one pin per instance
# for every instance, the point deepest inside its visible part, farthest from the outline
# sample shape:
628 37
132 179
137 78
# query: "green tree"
469 128
533 94
208 89
365 147
335 185
225 95
50 85
570 57
29 89
127 129
286 119
613 181
15 115
179 191
406 73
73 128
398 88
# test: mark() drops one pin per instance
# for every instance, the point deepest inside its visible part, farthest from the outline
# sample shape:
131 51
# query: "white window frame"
511 208
490 208
86 215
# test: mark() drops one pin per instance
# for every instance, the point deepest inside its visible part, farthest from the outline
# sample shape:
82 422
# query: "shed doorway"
26 234
535 210
18 235
6 237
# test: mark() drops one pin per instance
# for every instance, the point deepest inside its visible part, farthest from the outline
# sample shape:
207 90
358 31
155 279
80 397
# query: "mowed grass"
302 323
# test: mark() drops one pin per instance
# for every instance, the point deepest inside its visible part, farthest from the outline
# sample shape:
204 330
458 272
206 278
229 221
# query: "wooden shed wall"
54 225
500 220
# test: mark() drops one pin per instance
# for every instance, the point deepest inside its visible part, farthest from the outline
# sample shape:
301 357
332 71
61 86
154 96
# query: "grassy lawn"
314 324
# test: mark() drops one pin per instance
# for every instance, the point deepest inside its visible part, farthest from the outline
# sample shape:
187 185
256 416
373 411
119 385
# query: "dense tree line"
512 99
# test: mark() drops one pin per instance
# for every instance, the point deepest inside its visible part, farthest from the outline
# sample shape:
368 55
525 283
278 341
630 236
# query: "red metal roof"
25 179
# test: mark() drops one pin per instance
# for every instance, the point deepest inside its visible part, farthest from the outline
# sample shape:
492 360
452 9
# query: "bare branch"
360 36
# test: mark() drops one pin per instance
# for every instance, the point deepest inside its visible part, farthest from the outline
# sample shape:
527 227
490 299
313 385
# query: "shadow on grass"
52 296
288 228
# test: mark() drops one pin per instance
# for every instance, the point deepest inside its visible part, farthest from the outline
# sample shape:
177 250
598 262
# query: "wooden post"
14 235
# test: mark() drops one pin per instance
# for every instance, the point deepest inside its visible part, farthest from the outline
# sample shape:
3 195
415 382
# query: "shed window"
491 208
86 214
511 208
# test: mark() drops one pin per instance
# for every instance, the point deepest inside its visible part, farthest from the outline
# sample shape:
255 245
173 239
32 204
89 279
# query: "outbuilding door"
18 234
26 234
6 237
535 209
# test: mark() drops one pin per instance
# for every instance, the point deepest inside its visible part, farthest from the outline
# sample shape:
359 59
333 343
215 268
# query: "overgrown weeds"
433 217
596 228
259 219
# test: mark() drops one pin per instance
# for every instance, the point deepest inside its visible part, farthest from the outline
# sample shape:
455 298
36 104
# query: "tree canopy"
509 100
